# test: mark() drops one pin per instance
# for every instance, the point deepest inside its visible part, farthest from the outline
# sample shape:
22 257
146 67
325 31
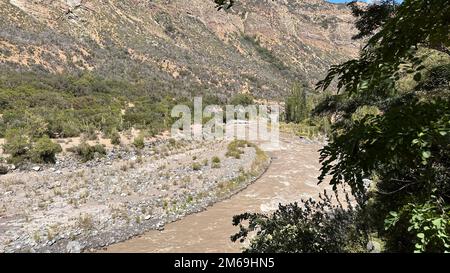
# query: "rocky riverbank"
74 207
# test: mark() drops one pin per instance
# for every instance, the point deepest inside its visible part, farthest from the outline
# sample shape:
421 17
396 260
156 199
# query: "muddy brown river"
291 176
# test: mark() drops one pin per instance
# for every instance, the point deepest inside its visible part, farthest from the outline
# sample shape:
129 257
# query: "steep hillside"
258 46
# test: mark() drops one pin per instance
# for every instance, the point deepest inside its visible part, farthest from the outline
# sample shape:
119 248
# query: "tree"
371 17
405 149
296 105
396 159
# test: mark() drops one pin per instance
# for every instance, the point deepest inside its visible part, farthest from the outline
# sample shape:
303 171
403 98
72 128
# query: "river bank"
76 207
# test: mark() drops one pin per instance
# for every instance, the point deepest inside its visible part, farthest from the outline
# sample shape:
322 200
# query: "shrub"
16 142
427 225
242 99
87 152
17 145
215 159
196 166
44 150
138 142
90 133
313 226
215 162
233 149
115 137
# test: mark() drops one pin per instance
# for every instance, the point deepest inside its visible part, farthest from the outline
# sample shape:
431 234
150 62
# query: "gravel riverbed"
74 207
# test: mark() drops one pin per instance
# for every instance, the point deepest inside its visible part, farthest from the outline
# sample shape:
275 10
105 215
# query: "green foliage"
215 159
63 106
215 162
299 114
22 148
309 227
115 137
196 166
234 149
297 105
371 17
44 150
242 99
428 226
391 51
87 152
17 144
362 111
401 140
139 142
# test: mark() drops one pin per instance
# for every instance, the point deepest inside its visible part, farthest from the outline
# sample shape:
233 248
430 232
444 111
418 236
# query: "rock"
3 170
367 183
373 247
147 217
73 247
36 168
160 226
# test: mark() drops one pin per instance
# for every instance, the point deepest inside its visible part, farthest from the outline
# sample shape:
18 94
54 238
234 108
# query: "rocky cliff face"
258 46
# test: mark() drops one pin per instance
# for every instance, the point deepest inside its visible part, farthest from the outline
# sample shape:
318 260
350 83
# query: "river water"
291 176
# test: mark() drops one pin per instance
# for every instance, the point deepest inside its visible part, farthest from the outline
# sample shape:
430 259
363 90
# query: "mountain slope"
188 46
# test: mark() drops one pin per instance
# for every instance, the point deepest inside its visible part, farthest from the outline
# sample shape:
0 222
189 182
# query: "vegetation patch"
87 152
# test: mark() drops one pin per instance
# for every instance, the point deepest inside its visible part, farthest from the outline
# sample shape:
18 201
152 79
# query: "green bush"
215 162
115 137
242 99
215 159
17 144
44 150
427 224
234 148
90 133
87 152
138 142
313 226
68 105
196 166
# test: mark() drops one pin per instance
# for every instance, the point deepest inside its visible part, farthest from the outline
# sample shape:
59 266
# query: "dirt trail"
291 176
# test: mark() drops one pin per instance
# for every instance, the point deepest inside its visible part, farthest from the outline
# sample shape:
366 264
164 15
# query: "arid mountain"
258 46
